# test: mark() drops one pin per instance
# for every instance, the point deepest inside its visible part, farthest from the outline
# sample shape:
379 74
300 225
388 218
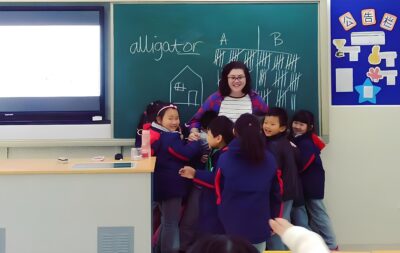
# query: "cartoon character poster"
365 36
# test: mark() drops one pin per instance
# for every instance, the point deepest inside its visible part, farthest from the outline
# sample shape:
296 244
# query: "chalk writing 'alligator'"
146 45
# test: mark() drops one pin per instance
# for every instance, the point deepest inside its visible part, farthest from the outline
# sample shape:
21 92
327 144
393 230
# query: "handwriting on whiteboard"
151 45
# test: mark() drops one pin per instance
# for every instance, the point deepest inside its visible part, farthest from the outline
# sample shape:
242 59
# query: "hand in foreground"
279 225
297 238
187 172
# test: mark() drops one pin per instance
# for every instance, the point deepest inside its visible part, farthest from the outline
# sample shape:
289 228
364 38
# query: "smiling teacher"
233 98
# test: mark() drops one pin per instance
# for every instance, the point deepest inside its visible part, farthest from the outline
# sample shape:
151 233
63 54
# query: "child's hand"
194 134
187 172
204 158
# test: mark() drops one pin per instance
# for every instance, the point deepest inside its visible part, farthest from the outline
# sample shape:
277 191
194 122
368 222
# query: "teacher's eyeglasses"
239 78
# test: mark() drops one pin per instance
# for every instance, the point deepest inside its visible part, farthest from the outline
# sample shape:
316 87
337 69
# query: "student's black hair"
223 86
163 107
222 244
223 126
248 130
305 117
280 113
206 118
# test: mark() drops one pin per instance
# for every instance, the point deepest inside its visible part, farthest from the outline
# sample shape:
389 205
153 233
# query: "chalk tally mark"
281 67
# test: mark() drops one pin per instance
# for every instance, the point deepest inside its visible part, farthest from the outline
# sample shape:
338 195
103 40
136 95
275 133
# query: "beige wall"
362 166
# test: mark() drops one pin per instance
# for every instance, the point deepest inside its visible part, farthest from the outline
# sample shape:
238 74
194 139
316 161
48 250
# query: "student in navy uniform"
205 121
188 227
312 175
275 130
247 186
219 134
168 187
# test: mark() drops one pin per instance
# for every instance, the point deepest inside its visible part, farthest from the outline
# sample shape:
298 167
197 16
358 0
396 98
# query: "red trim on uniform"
146 126
318 141
280 181
177 155
201 182
224 148
154 136
312 158
217 183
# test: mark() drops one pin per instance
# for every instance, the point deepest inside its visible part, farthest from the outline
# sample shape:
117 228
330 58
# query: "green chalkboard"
175 52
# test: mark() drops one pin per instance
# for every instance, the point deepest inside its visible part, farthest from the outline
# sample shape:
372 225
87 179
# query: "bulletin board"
364 52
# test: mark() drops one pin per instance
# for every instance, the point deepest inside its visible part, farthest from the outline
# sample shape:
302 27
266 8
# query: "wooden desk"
385 251
49 207
53 166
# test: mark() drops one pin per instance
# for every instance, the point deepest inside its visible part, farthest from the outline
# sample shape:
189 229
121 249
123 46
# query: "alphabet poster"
365 52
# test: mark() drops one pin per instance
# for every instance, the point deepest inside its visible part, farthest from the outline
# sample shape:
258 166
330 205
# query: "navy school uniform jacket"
172 154
250 194
312 172
208 214
284 154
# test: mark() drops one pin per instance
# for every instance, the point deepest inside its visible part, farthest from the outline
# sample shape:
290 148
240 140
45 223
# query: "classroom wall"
362 188
361 162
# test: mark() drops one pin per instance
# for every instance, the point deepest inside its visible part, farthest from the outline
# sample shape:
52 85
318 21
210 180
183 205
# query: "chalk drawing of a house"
186 88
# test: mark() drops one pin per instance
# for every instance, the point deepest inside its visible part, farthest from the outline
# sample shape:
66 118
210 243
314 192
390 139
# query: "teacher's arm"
212 103
259 106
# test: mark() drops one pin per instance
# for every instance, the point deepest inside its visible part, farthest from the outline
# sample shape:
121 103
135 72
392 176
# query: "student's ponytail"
248 130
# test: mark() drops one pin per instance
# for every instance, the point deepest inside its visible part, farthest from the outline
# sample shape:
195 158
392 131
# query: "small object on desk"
118 156
136 154
96 166
146 147
97 118
62 159
98 158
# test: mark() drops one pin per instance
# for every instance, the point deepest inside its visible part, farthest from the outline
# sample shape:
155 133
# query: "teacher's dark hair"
248 130
223 86
222 244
